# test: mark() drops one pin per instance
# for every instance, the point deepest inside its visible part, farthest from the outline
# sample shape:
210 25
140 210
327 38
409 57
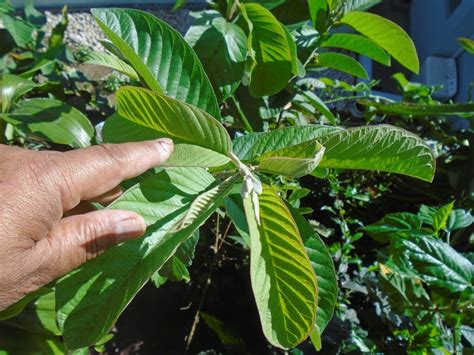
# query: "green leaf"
467 44
396 226
13 87
235 210
406 295
18 307
292 12
120 130
6 7
57 34
426 213
318 10
282 278
387 35
46 59
222 48
53 120
173 118
268 4
33 16
323 267
293 161
18 341
112 62
176 268
382 147
459 219
358 44
38 316
226 335
179 4
456 219
315 337
174 203
259 109
297 67
250 146
20 30
160 56
436 263
319 105
440 218
359 5
273 62
411 109
342 63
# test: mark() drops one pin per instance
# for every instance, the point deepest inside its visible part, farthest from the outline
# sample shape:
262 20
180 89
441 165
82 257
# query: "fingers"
79 238
87 206
109 196
82 208
91 172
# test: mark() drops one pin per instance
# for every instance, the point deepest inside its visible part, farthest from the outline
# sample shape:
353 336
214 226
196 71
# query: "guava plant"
43 118
243 46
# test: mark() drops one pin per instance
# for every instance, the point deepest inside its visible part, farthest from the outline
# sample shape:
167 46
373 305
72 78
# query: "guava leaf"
160 56
387 35
90 299
270 49
283 281
251 146
13 87
358 44
112 62
172 118
222 48
323 267
412 109
293 161
120 130
52 120
382 147
342 63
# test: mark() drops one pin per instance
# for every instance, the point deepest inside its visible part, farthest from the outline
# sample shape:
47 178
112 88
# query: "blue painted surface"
54 4
435 27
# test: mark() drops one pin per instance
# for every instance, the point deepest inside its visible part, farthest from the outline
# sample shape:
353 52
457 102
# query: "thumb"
76 239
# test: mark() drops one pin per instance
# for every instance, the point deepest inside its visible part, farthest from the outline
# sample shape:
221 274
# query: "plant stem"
219 241
3 127
455 340
243 169
244 119
346 98
448 238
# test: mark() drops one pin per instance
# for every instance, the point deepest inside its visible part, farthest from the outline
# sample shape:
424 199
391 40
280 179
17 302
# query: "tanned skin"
47 224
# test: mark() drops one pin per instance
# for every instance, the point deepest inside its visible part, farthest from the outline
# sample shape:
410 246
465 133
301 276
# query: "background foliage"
396 275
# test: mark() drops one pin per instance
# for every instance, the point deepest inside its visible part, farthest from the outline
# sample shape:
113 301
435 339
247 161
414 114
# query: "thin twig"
244 118
219 241
343 98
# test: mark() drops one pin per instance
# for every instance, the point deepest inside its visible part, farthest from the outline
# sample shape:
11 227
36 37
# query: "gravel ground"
84 31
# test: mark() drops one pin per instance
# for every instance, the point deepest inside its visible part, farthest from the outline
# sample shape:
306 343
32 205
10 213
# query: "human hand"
39 244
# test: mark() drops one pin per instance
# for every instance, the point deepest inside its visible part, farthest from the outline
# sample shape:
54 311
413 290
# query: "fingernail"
129 227
166 144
